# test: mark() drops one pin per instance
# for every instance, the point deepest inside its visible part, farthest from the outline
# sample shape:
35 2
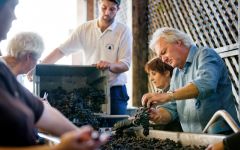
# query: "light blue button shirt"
204 68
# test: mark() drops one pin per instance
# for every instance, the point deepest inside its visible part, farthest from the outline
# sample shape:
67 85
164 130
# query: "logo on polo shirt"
109 47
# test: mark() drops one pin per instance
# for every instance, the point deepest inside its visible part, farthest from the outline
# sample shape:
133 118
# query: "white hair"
24 43
170 35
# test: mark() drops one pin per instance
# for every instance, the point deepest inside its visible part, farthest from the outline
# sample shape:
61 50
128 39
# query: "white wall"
52 19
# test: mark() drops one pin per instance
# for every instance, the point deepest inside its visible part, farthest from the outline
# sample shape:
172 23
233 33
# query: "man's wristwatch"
170 94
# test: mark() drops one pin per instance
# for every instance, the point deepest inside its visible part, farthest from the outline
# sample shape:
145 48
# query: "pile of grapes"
125 137
139 143
78 105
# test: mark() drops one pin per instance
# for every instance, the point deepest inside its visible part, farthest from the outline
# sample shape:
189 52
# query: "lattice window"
122 15
210 23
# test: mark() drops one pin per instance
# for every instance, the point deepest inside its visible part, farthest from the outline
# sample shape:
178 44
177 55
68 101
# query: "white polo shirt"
113 45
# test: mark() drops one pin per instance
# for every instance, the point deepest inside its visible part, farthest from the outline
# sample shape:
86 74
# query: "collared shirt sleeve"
9 84
125 47
209 69
33 102
17 121
74 42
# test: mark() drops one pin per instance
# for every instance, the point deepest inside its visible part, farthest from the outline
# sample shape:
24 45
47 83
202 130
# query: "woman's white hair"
24 43
170 35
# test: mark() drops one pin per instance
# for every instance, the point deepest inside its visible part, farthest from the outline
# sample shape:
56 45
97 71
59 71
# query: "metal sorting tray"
185 138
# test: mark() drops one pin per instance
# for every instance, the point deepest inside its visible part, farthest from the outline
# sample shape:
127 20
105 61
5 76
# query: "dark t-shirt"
232 142
19 111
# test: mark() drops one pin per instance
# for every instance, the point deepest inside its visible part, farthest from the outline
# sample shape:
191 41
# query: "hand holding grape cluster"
140 119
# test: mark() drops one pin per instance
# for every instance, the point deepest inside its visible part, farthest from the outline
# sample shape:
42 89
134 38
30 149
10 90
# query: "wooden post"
140 50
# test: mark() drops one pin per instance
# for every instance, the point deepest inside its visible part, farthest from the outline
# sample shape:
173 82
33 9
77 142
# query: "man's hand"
159 116
117 67
154 115
102 65
149 99
216 146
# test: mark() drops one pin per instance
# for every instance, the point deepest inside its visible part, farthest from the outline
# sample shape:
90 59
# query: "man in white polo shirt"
106 43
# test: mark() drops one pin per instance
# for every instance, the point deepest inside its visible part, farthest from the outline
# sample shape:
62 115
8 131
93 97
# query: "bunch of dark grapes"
77 105
139 143
142 118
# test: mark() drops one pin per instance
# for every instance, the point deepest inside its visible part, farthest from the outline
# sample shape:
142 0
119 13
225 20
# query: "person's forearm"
186 92
118 67
54 122
53 57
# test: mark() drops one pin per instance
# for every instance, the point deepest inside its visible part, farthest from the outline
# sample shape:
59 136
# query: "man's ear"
179 42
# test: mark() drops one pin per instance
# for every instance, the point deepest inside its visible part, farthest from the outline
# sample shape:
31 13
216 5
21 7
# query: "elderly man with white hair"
200 84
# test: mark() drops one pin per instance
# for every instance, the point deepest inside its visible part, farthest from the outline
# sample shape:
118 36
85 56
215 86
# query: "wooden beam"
140 50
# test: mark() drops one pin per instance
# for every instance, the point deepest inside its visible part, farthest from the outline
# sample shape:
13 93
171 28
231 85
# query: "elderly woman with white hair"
21 111
23 51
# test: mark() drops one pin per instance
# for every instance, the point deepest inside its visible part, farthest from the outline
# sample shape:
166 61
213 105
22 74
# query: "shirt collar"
190 57
191 54
111 27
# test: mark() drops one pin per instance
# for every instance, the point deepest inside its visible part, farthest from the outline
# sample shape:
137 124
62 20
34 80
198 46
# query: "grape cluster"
141 118
78 105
